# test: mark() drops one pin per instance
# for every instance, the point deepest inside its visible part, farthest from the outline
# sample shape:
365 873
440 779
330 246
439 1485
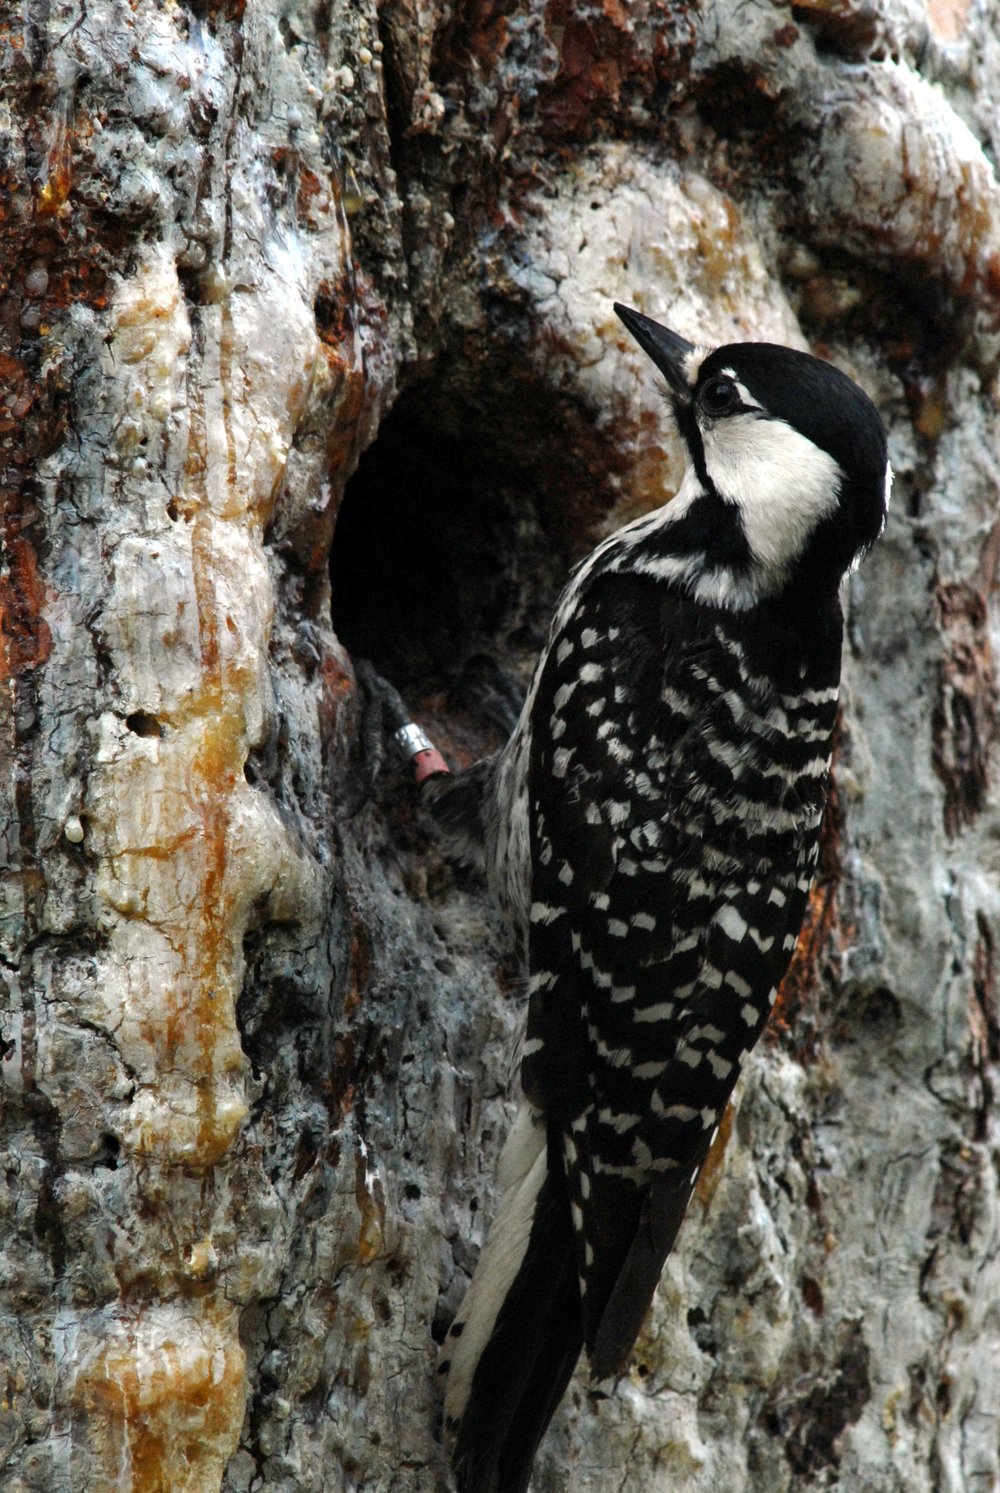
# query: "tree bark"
257 1037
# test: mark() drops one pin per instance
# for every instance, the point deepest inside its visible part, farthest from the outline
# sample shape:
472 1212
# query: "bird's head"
788 475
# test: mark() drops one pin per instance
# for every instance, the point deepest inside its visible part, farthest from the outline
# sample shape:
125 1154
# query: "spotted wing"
653 952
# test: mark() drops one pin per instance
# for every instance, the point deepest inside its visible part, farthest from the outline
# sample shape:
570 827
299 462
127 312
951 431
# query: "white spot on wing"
561 758
542 912
731 923
661 1012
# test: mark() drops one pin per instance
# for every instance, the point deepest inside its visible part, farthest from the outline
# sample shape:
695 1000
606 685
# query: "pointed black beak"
667 350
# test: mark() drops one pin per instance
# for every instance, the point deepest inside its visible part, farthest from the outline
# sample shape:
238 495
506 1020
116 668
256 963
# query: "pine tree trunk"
257 1036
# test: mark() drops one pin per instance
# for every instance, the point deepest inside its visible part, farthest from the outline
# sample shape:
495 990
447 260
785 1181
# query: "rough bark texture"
257 1037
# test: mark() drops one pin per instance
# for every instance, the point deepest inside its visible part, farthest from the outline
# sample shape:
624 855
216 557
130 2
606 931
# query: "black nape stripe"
710 527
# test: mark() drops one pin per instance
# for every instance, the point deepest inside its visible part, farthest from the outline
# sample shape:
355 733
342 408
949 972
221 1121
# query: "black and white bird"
651 830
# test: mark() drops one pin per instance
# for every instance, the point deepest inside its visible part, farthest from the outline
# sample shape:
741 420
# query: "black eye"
719 396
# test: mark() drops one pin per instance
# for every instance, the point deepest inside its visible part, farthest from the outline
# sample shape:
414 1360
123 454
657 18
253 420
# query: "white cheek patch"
782 484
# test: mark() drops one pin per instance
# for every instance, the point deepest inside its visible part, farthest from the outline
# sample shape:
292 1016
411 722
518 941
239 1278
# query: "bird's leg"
423 756
384 712
456 802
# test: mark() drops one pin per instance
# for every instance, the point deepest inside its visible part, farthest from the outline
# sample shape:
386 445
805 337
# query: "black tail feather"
611 1334
528 1361
553 1371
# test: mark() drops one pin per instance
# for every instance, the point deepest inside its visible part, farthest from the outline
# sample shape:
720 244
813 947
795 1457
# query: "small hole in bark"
812 1295
141 723
109 1153
879 1007
305 1158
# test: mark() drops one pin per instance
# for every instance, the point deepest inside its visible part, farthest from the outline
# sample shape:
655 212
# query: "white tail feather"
521 1173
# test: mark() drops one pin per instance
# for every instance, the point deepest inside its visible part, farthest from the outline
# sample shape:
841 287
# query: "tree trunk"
257 1036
